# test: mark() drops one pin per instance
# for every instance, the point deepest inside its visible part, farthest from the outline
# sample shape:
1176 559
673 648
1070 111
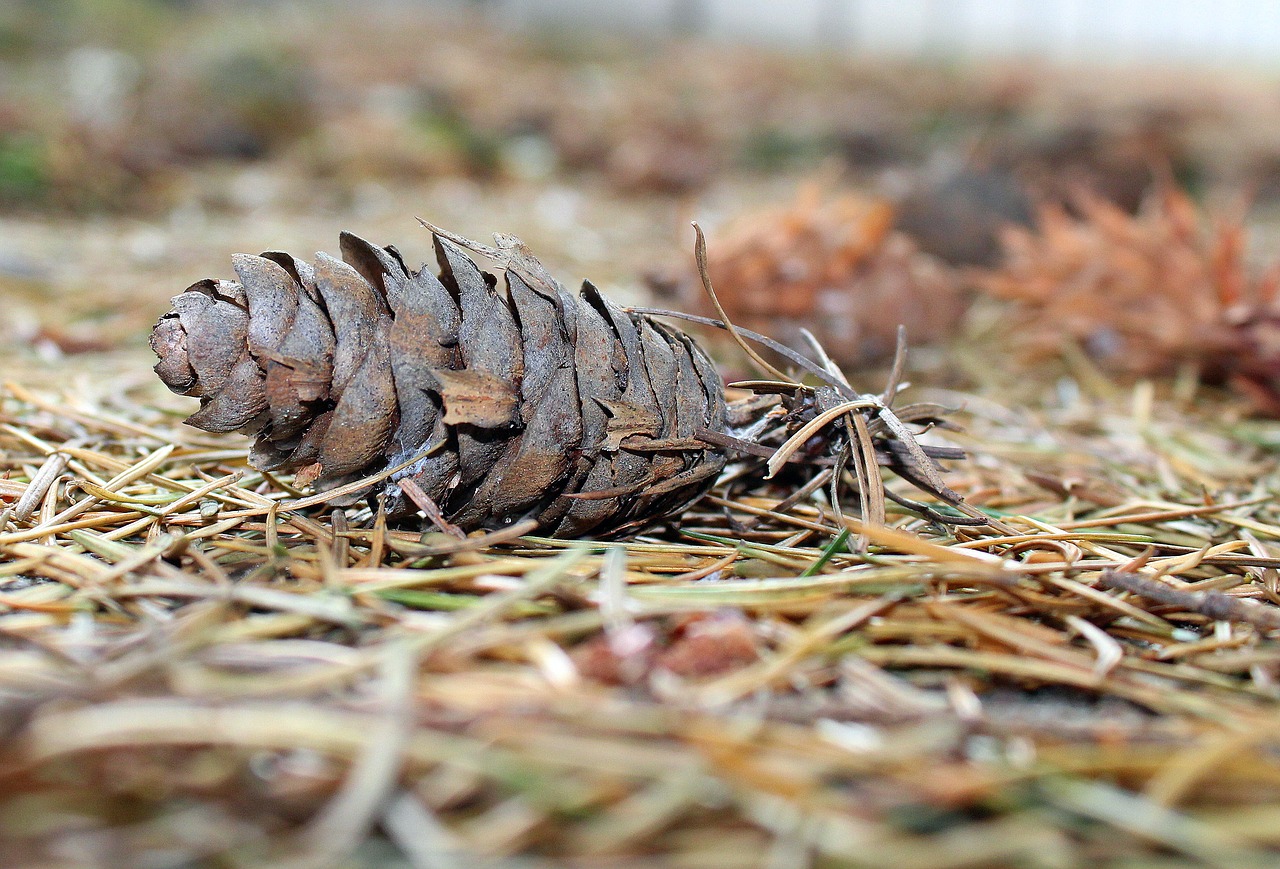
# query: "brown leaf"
710 646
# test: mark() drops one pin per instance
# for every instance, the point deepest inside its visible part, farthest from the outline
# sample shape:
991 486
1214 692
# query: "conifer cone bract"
500 405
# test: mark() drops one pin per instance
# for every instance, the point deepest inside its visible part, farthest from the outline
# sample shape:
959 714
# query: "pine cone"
1145 293
840 270
525 403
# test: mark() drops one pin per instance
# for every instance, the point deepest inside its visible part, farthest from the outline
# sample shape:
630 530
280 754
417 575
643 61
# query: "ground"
203 666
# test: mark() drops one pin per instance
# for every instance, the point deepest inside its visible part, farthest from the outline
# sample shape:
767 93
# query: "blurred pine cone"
837 269
532 402
1144 293
958 216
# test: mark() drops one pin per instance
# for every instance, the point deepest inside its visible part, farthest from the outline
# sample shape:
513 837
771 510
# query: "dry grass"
202 667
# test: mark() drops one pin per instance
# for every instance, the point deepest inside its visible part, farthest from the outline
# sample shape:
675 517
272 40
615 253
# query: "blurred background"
823 143
1063 30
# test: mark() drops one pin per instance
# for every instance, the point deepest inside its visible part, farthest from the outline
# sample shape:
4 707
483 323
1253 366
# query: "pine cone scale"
274 306
541 455
424 342
212 326
238 404
490 344
601 371
380 267
488 337
203 313
169 341
362 389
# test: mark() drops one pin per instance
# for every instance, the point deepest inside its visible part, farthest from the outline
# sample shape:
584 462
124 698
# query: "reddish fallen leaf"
712 645
693 647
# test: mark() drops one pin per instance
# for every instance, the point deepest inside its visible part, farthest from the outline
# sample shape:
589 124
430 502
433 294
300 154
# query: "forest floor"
201 665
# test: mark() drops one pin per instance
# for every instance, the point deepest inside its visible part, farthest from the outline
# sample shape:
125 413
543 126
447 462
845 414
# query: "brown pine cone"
525 403
1144 294
837 268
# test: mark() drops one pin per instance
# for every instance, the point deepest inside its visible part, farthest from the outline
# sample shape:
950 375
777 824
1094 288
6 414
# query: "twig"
1212 604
